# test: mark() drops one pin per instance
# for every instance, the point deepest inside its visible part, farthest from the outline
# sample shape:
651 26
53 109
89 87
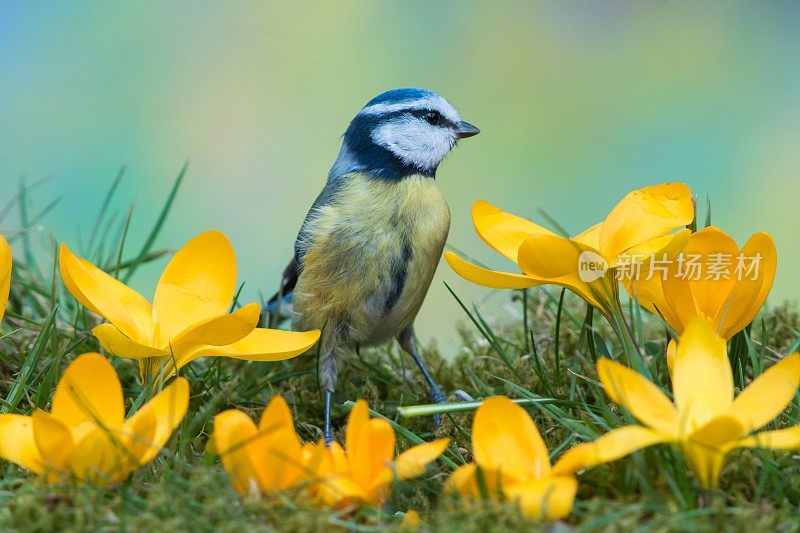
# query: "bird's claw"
462 396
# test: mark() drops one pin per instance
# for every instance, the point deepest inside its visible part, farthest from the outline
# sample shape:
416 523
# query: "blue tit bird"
370 244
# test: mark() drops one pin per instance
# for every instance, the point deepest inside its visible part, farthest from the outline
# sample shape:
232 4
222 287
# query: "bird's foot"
437 396
463 396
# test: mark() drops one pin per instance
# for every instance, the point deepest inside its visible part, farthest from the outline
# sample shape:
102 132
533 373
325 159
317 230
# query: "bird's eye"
433 118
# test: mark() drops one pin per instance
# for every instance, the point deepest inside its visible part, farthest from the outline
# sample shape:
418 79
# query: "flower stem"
620 326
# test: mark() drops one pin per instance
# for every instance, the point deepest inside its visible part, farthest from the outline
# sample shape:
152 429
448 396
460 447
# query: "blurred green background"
578 102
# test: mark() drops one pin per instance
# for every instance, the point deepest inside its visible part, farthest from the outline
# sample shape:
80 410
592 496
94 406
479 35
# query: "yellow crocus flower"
640 224
85 434
189 316
362 472
511 461
705 420
710 277
5 274
411 521
271 457
263 459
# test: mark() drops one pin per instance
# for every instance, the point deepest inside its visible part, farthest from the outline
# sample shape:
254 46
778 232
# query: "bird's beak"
465 129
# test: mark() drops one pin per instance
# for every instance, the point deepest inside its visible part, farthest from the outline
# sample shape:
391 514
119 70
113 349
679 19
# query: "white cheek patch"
414 141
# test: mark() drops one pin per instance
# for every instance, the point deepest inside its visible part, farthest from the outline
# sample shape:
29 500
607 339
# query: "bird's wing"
304 236
283 298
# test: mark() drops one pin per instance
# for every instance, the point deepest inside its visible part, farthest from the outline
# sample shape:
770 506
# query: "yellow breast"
372 253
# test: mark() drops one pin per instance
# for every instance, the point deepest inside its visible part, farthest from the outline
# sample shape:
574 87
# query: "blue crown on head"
395 96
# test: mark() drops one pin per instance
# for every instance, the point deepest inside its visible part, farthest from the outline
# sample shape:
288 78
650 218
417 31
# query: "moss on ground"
186 489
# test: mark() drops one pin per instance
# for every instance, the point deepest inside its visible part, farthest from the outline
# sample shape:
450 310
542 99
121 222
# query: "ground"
547 354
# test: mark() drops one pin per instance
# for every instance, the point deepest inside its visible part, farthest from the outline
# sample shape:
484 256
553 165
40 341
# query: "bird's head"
399 133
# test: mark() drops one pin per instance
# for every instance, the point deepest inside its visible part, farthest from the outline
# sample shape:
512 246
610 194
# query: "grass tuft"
546 359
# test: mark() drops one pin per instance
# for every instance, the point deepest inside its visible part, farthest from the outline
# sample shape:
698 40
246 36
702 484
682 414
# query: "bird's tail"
277 310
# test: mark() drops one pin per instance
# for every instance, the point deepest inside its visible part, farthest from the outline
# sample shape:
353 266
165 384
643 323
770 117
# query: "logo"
591 266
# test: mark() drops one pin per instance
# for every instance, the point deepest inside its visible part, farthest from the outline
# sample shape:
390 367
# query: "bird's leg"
327 381
330 358
408 341
328 435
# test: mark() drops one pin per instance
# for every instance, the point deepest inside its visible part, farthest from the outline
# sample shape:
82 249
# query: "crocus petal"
503 231
550 498
551 257
261 344
710 295
219 330
411 520
378 490
659 246
153 424
233 430
489 278
198 283
89 391
781 439
17 443
652 259
356 423
648 287
259 457
462 481
5 274
645 214
101 457
338 459
702 378
473 482
128 310
505 438
749 293
762 243
557 260
590 237
707 447
340 492
640 397
370 457
678 307
768 394
412 462
672 353
313 456
53 440
611 446
281 463
330 482
115 342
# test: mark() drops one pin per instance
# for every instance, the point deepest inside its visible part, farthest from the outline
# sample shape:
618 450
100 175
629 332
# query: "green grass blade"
36 353
104 207
162 217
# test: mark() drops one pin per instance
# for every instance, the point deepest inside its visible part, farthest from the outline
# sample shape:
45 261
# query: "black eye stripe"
419 113
439 120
